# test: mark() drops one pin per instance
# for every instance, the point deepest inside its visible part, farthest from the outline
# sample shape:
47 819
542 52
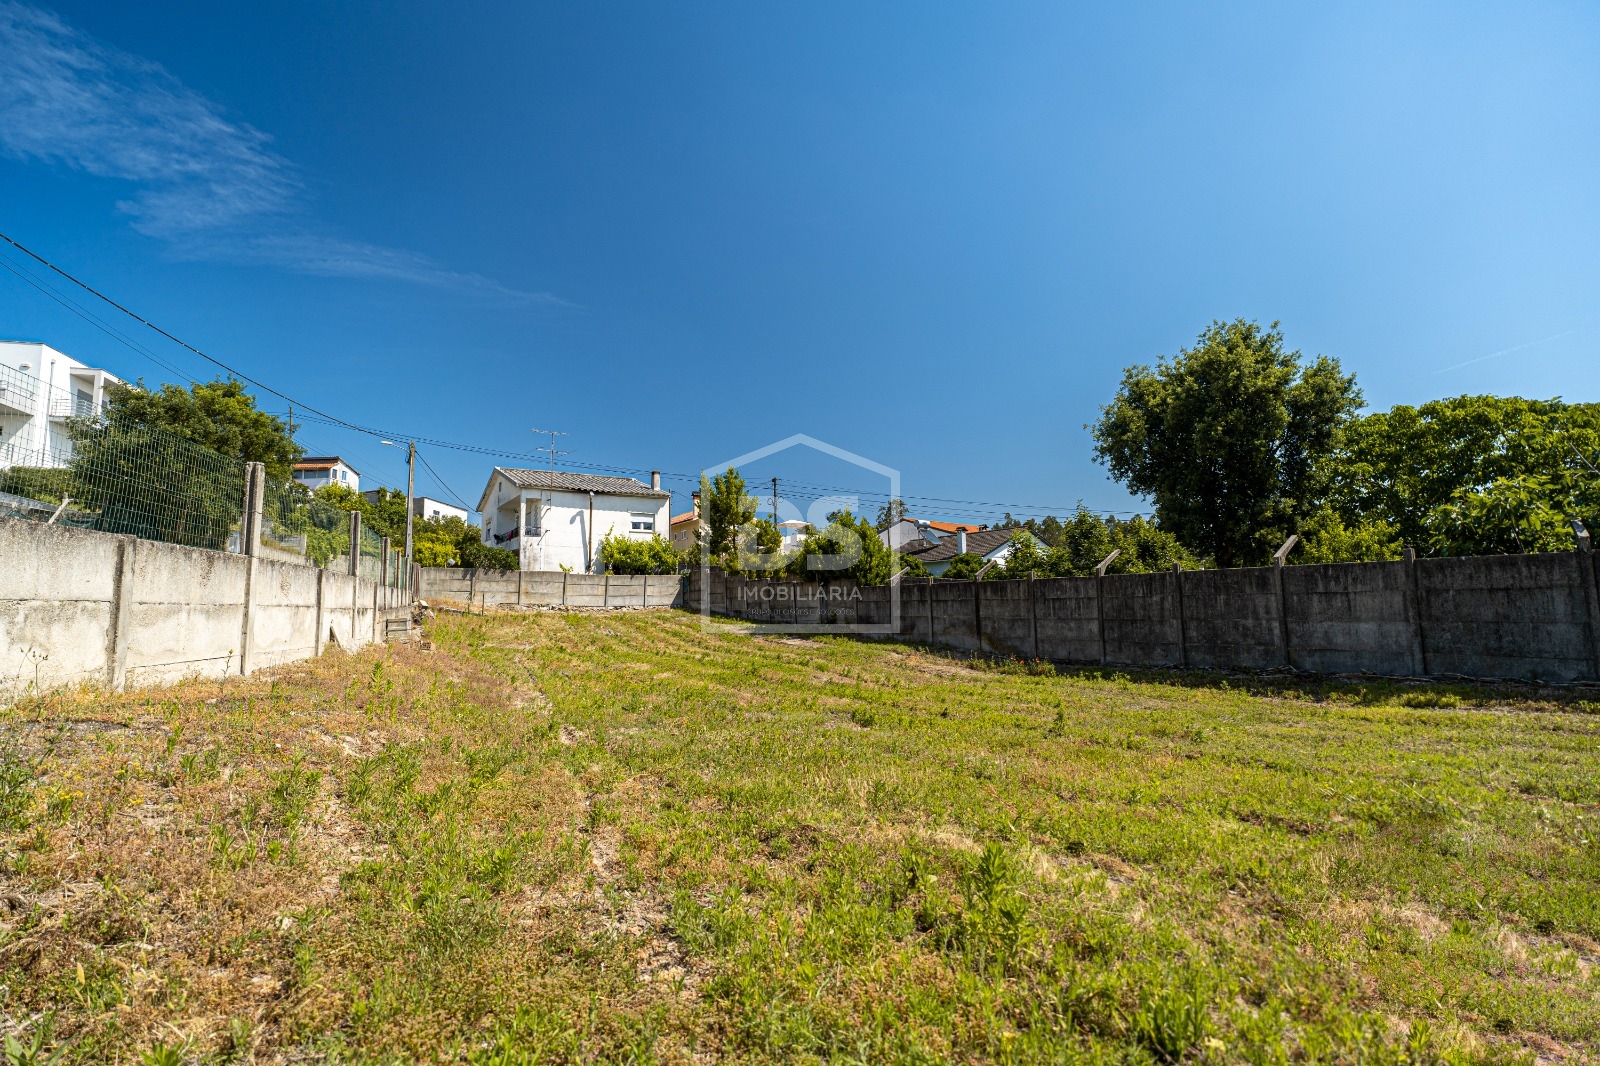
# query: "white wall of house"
429 508
40 389
339 473
560 530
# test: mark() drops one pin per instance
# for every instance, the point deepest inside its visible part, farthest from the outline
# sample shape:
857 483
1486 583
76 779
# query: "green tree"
218 415
1326 537
1511 515
727 507
1228 438
889 514
1408 467
1087 538
848 548
964 567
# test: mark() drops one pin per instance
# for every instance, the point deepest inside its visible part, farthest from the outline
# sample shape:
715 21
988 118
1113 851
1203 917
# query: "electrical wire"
303 409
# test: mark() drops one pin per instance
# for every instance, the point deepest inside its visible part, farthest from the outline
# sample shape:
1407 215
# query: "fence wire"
119 476
295 521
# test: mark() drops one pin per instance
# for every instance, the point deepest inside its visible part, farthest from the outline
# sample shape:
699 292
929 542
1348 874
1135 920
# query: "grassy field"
610 837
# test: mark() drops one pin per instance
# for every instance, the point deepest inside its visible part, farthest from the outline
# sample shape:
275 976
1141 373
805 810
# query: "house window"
644 523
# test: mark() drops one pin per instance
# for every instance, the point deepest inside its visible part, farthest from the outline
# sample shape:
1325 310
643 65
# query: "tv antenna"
549 487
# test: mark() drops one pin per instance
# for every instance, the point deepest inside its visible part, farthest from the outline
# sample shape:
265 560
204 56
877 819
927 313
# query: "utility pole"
411 490
774 503
544 504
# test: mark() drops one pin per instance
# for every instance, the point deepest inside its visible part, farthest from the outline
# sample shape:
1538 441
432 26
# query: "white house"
319 471
426 507
556 521
40 390
992 545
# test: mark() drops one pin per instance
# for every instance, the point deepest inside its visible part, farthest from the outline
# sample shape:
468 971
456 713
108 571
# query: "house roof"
982 542
950 527
687 516
323 462
599 484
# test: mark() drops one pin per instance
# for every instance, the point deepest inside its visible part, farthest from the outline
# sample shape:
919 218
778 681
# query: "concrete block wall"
79 606
1528 617
540 588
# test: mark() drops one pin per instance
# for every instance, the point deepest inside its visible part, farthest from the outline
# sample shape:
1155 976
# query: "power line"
334 420
442 483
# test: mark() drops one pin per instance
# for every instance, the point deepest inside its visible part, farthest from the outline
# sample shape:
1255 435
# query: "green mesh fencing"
296 522
370 565
119 476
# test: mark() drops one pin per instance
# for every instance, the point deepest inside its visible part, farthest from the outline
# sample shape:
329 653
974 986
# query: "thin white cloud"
211 187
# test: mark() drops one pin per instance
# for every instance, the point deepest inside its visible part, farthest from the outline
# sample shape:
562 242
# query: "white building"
558 520
319 471
426 507
40 390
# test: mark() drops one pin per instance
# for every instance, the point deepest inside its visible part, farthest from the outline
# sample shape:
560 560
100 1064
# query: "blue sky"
932 235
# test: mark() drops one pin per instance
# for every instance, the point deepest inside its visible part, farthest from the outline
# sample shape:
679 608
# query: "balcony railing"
71 407
18 391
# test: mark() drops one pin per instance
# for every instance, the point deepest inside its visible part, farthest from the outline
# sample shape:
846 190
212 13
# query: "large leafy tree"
218 415
1228 438
1433 473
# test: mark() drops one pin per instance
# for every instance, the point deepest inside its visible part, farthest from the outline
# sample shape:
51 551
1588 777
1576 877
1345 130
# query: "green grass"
612 837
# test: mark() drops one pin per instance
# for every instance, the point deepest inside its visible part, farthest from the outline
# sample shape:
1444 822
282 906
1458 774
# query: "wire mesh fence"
293 521
370 564
70 464
118 476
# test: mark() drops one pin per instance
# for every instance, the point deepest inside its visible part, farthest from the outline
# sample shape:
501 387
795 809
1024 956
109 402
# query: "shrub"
631 555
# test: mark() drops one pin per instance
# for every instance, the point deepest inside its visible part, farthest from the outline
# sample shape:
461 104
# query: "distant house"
556 521
912 531
938 550
426 506
793 533
319 471
686 525
41 390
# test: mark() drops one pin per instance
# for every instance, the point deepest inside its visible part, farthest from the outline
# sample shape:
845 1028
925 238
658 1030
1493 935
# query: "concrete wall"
538 588
1529 617
79 606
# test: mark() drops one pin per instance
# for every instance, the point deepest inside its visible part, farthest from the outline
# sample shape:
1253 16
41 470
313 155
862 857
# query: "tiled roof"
320 462
597 483
684 517
982 542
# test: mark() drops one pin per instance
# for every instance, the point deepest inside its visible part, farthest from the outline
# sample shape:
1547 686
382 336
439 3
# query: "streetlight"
411 485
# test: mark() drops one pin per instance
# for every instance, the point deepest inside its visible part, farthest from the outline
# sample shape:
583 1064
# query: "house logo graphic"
821 596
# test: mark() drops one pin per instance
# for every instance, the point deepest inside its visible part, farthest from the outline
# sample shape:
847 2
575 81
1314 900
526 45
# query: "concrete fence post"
927 587
977 612
322 612
522 588
355 544
564 576
1279 558
1100 597
605 590
384 563
1414 605
1033 613
121 612
256 476
1183 634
